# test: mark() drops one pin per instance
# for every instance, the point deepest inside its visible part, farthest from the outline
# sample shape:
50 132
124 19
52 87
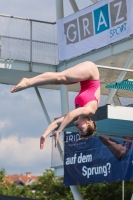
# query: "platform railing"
28 40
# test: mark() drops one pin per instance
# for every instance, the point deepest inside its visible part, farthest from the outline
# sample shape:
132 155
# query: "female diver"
86 102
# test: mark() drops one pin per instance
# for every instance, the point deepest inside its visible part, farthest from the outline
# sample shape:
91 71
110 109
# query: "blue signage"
97 160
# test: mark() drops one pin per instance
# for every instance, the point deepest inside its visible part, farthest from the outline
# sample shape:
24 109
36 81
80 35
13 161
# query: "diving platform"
111 120
122 85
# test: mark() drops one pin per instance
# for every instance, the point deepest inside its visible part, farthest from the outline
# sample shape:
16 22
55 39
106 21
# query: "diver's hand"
42 142
56 134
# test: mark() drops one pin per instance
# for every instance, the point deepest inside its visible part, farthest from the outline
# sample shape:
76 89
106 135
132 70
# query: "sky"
22 120
44 10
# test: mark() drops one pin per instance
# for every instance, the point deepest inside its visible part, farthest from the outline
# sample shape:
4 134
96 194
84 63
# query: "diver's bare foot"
23 84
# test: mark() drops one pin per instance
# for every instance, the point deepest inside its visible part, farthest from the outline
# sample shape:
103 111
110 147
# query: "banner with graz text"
97 159
94 27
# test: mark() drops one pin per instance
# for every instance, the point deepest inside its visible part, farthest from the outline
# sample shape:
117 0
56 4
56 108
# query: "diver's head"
85 126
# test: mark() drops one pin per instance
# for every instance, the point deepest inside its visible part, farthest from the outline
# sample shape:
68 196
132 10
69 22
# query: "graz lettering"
99 20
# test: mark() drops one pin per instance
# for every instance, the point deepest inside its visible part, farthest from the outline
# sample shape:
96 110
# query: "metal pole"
59 9
74 5
132 197
48 119
65 109
64 95
116 68
64 99
30 66
120 78
122 190
43 106
94 1
22 18
76 192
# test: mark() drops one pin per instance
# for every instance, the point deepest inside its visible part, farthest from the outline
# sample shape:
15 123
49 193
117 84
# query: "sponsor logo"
111 16
71 137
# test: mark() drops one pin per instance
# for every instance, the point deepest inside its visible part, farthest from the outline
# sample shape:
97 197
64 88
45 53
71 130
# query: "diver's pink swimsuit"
87 92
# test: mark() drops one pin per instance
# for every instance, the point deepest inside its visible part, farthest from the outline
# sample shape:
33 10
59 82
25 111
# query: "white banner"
94 27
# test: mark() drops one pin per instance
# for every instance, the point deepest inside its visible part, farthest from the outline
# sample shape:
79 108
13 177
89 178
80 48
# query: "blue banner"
97 159
93 27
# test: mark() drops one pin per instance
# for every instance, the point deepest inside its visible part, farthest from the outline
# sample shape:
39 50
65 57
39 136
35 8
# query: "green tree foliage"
9 189
49 187
107 191
2 174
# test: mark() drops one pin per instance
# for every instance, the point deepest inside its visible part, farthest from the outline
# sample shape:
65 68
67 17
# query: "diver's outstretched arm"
85 111
49 129
81 111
